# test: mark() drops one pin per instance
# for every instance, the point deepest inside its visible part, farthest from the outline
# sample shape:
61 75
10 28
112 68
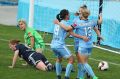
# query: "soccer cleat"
95 77
87 76
49 67
67 78
58 77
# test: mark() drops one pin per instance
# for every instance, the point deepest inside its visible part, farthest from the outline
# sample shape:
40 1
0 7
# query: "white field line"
72 45
98 48
93 59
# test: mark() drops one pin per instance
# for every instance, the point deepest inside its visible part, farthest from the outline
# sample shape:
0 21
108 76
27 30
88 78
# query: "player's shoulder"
18 46
65 22
76 18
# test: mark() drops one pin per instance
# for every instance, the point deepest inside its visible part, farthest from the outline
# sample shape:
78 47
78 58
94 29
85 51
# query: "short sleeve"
30 32
74 24
17 47
94 23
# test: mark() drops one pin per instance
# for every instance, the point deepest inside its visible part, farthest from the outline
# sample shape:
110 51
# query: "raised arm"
98 33
32 42
67 28
100 19
14 59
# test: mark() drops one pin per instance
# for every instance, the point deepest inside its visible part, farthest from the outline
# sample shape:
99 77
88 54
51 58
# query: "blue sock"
68 69
88 69
81 71
58 68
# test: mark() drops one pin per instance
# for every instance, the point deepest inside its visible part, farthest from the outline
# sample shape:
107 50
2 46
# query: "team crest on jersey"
81 24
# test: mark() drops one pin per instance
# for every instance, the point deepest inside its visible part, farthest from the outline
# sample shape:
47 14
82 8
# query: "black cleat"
87 76
67 78
50 67
58 77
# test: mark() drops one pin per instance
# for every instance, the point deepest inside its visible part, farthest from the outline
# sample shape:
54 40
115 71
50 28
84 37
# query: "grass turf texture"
28 72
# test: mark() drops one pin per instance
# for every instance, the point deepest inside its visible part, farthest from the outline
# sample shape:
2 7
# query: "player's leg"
58 66
41 66
35 59
84 53
81 70
67 54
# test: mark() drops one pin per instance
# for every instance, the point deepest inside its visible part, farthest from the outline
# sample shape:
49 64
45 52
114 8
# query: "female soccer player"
32 38
59 47
76 41
85 27
31 57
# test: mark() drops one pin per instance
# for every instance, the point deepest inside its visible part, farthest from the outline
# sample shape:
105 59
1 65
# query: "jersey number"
88 31
56 30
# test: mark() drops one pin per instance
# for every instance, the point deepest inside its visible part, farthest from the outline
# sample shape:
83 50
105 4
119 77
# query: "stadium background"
45 12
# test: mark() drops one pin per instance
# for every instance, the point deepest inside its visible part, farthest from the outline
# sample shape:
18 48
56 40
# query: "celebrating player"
59 47
85 27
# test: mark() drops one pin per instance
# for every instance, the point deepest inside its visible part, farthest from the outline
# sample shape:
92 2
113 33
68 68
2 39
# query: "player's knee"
71 59
59 60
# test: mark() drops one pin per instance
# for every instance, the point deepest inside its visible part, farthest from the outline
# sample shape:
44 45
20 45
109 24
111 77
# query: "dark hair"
83 6
14 41
62 14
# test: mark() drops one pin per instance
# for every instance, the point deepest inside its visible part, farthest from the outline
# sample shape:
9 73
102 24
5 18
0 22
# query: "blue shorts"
85 51
76 46
62 52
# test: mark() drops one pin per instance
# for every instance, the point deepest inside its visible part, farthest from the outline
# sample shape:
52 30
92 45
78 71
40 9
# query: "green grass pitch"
28 72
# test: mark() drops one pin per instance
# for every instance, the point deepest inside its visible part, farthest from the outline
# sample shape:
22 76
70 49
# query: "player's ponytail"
62 14
58 17
14 41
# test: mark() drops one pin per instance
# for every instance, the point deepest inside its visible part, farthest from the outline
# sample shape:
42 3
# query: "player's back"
24 51
59 36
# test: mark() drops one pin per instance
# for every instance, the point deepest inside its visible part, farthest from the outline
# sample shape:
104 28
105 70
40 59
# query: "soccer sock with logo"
68 69
81 71
58 68
88 69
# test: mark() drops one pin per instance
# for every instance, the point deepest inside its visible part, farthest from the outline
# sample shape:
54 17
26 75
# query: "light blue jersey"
85 29
59 36
58 42
76 40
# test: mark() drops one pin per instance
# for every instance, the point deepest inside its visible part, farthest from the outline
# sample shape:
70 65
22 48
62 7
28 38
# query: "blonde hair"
85 13
23 21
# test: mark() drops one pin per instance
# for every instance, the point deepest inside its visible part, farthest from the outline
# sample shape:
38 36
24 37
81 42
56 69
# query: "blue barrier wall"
46 10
